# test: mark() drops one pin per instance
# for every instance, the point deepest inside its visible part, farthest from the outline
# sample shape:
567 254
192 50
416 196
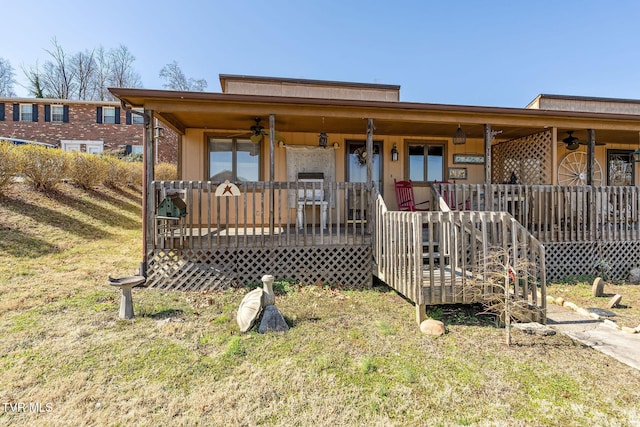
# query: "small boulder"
559 301
432 327
272 321
598 287
615 301
534 328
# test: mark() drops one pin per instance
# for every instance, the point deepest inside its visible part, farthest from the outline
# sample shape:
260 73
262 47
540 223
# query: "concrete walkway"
597 334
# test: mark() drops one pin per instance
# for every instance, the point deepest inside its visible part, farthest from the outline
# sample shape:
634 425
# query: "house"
90 126
313 166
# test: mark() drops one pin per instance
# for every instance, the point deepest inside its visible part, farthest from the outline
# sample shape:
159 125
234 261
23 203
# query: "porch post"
369 186
272 130
487 153
591 154
148 201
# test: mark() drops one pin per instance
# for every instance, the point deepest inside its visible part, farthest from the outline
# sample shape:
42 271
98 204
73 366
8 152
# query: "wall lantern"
459 137
394 153
323 139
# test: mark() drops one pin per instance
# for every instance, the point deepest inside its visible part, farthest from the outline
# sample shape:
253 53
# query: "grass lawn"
352 356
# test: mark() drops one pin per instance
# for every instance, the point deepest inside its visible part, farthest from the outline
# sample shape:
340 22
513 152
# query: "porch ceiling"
234 114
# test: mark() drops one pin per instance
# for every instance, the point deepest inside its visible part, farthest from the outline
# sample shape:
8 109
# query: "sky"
474 52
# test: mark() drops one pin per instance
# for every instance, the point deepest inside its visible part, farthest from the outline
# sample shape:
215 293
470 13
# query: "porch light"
394 153
323 139
636 155
158 132
459 137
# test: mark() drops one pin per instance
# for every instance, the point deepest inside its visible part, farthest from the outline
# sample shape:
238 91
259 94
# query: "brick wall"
82 125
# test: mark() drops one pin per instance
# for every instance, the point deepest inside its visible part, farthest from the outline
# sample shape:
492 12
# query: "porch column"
272 130
488 136
369 185
591 154
148 201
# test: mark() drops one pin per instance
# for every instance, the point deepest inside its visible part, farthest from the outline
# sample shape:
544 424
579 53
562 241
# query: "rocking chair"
406 198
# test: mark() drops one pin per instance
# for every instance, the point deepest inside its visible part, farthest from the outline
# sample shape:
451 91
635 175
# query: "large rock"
272 321
432 327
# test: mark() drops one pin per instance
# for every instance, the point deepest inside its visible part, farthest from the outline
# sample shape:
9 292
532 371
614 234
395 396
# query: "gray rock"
272 321
601 312
534 328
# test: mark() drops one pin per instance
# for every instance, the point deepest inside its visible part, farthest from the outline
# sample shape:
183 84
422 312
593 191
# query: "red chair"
406 199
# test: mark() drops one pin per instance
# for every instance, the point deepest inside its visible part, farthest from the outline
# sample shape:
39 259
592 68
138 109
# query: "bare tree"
176 80
121 70
58 77
84 69
6 78
35 84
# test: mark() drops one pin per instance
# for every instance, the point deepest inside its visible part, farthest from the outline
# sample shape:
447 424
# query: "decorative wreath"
361 153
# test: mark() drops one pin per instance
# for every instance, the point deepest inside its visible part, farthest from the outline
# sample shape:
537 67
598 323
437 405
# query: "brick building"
91 126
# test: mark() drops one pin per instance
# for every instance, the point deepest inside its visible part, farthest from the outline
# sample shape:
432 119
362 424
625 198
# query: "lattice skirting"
565 259
192 270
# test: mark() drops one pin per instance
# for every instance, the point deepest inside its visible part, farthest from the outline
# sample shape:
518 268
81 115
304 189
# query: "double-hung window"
57 113
108 115
26 112
426 161
233 159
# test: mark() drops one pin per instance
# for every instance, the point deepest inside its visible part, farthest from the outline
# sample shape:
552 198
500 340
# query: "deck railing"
555 213
277 214
446 257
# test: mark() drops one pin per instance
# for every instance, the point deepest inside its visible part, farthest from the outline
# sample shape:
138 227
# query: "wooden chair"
406 199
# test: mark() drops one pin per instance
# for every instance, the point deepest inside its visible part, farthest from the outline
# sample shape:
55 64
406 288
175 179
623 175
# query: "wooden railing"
554 213
278 214
444 257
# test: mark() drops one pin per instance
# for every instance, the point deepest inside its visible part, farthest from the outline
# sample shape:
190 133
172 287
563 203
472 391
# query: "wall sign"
473 159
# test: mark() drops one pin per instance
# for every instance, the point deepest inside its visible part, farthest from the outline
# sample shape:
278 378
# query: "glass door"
357 172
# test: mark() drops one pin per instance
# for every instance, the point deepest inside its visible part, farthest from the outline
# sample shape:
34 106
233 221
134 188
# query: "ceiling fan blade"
256 138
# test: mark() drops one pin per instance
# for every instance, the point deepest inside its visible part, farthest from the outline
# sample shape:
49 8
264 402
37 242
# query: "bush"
134 174
117 174
87 170
43 167
9 163
166 172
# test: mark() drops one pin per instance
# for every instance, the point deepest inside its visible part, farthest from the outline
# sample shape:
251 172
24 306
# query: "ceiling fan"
572 143
257 131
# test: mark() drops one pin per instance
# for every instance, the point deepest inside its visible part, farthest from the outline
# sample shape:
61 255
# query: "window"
137 119
426 162
108 115
57 113
136 149
620 167
234 159
26 112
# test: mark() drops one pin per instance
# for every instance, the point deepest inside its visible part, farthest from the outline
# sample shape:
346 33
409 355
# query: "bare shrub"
166 172
134 174
87 170
9 163
117 174
43 167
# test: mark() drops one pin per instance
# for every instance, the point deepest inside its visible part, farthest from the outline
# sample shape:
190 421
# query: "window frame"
104 115
53 113
23 115
425 144
137 119
234 156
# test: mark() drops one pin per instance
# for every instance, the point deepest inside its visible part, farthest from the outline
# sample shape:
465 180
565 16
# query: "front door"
356 164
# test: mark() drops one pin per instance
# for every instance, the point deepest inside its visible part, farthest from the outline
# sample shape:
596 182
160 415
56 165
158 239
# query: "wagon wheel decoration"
573 170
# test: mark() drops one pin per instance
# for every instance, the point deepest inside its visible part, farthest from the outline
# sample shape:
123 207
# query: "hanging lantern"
459 137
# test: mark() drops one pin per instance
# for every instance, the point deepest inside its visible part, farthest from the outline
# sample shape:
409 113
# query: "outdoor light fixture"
459 137
158 132
636 154
323 139
394 153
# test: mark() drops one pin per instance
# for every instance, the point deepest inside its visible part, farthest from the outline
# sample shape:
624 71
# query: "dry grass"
352 357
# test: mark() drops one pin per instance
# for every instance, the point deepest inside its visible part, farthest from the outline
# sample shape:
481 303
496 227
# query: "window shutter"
34 117
127 149
128 117
2 112
65 114
99 115
47 113
117 115
16 112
